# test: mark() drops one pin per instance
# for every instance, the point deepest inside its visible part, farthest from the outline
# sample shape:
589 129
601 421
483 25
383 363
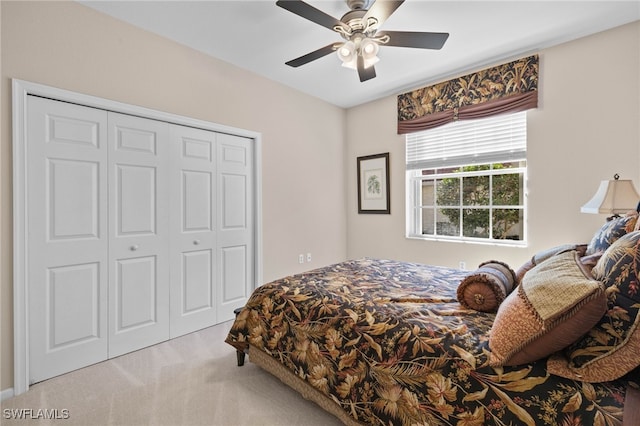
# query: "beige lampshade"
613 197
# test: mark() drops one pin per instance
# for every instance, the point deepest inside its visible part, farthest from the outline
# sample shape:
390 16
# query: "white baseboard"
6 394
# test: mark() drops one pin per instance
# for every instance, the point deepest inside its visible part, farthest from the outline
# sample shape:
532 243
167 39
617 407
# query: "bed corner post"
239 354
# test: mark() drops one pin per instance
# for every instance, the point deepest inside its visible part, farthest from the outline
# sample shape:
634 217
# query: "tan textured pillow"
557 302
486 288
543 255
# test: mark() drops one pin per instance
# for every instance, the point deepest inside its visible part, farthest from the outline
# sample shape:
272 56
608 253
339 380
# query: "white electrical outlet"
308 257
301 258
463 265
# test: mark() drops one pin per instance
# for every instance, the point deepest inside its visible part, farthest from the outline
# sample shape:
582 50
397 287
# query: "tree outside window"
476 201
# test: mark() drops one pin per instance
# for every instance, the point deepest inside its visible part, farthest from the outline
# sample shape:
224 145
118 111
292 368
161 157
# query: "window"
466 181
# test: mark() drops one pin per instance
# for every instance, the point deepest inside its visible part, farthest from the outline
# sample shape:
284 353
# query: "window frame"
415 206
444 164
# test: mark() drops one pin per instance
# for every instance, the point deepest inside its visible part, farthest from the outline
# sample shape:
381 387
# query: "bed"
379 341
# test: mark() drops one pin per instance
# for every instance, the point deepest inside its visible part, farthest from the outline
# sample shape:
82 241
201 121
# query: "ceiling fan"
359 27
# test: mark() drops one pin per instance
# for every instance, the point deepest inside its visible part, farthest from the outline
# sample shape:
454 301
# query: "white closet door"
67 239
235 236
193 197
139 228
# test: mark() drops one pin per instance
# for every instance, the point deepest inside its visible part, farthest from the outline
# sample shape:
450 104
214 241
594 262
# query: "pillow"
591 260
611 231
543 255
487 286
610 349
557 302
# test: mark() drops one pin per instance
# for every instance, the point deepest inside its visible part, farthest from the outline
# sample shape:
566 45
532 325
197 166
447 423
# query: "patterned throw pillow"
557 302
611 231
486 288
610 349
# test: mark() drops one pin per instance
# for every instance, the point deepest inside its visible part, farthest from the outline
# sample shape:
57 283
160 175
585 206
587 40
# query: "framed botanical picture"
373 184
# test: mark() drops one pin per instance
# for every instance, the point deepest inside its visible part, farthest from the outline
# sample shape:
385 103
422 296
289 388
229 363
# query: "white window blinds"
487 140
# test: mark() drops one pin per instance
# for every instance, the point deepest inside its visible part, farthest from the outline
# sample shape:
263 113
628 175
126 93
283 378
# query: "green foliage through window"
483 201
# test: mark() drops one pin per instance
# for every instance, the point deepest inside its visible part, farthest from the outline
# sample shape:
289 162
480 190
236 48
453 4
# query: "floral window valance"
509 87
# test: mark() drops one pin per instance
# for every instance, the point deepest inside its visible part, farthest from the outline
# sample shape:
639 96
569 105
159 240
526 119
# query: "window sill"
500 243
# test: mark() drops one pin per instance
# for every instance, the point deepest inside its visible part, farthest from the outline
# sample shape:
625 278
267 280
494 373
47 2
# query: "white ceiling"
260 36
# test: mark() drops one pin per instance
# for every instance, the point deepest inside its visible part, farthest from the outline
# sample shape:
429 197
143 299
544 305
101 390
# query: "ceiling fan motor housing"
353 19
358 4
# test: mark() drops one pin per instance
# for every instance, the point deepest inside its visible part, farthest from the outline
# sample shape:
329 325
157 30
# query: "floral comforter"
389 342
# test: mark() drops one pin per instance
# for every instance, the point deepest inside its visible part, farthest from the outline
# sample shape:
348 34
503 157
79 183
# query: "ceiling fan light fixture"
347 51
352 64
371 61
348 54
369 50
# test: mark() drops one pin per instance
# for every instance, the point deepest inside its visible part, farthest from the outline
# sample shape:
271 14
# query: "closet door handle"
134 247
196 242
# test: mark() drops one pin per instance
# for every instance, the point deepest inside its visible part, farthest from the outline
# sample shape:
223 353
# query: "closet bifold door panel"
235 236
193 237
139 228
66 194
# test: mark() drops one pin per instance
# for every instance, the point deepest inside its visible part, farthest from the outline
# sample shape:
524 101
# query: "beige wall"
70 46
578 136
586 129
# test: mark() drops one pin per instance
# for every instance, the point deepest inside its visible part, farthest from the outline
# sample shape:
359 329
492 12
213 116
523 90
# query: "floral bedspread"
389 342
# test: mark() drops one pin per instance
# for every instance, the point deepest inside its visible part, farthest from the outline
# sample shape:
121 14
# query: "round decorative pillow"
487 286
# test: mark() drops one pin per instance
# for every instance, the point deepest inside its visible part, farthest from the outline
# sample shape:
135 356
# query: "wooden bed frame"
631 415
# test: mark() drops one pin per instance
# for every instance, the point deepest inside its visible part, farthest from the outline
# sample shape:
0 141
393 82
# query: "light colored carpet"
191 380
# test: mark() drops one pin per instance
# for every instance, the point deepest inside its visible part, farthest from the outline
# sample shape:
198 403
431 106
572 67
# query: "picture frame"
373 184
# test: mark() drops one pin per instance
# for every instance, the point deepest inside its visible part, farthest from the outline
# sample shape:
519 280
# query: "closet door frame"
20 90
